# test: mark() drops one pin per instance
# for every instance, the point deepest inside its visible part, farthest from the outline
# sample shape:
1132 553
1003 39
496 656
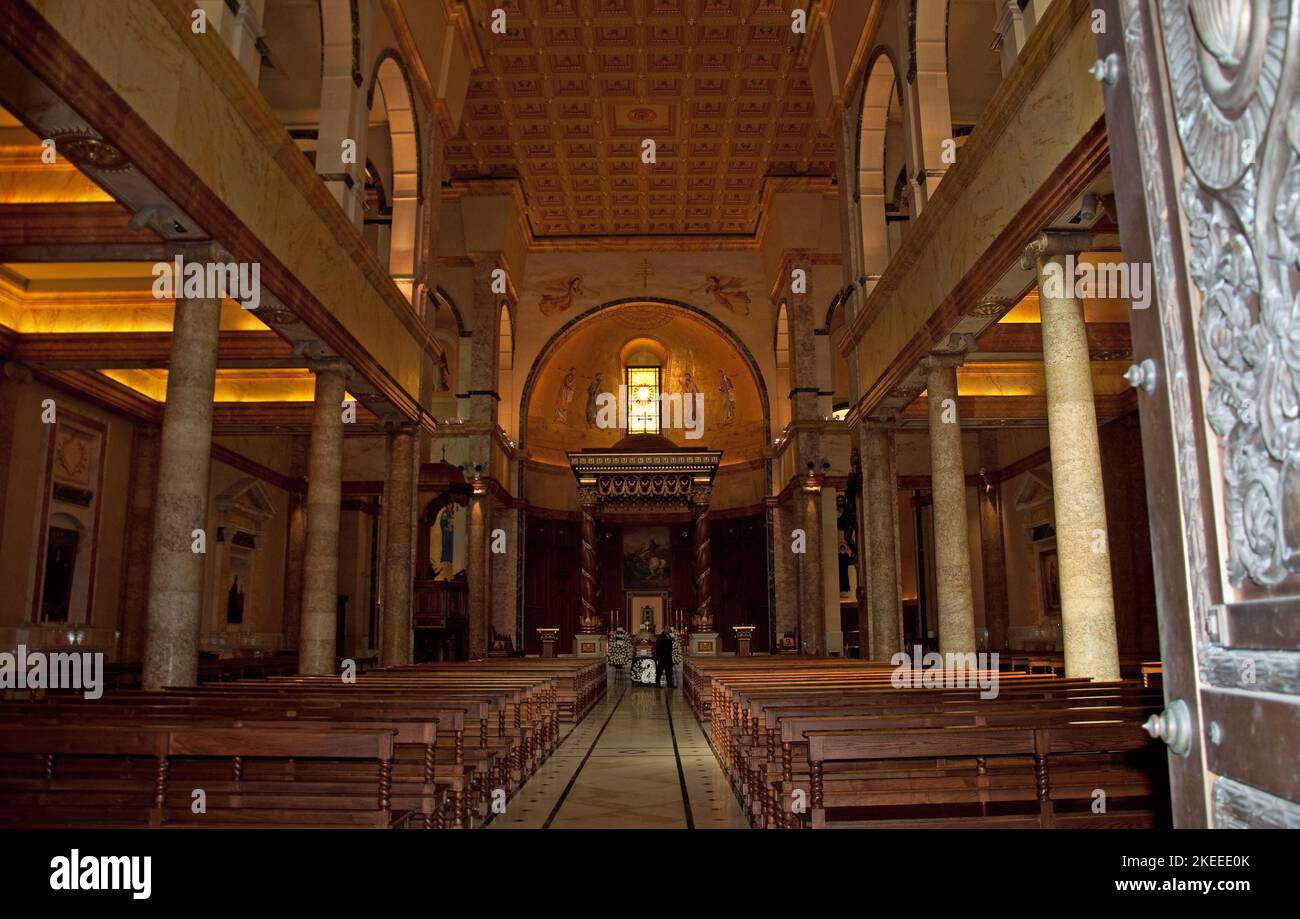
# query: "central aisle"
637 761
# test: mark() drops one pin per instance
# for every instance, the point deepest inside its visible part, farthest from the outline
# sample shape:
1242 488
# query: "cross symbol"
644 271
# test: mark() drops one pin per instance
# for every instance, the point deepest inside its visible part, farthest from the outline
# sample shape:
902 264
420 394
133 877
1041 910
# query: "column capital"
1049 243
393 423
883 419
942 360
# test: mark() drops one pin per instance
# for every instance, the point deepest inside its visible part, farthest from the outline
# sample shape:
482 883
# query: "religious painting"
647 558
564 398
238 578
727 293
1049 579
442 548
560 293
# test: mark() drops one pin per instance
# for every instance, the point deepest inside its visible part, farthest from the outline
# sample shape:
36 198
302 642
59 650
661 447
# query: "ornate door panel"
1204 124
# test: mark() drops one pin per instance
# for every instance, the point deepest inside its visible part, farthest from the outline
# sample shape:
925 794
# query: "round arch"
712 322
882 86
442 298
405 188
882 77
394 80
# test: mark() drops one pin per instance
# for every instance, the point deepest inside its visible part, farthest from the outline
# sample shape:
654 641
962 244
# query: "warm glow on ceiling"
25 178
1095 309
242 385
1025 378
95 297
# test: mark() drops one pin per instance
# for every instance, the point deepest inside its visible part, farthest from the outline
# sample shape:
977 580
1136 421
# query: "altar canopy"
639 476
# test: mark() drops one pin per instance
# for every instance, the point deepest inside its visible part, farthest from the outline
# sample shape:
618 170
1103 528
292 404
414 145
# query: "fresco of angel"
728 293
561 292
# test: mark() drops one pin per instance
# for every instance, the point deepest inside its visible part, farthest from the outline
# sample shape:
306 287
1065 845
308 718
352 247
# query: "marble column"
587 586
952 575
703 563
13 377
786 574
139 535
1082 543
879 500
317 653
477 562
171 656
992 550
295 545
812 585
395 647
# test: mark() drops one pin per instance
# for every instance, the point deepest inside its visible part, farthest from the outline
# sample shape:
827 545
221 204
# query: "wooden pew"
1067 751
131 797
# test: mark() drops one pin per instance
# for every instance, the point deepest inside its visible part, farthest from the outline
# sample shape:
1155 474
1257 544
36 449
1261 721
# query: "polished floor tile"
639 760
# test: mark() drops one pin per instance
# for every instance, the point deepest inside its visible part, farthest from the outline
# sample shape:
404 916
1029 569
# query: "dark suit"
664 659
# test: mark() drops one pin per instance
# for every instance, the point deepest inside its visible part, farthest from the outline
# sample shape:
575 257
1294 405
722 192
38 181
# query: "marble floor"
639 760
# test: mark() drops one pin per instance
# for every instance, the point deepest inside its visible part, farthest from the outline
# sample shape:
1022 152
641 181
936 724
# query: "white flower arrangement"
677 649
620 649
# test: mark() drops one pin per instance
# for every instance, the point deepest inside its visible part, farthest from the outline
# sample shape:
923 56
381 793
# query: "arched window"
643 372
505 369
643 399
782 367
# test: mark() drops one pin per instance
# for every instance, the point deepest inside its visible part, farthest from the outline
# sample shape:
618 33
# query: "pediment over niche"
1033 491
246 498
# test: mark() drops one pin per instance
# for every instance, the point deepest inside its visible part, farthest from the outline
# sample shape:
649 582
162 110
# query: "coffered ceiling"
575 86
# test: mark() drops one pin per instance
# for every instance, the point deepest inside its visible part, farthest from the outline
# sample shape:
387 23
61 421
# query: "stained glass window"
643 400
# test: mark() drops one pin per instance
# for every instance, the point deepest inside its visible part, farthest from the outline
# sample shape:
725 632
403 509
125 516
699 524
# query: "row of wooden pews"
429 746
810 742
130 674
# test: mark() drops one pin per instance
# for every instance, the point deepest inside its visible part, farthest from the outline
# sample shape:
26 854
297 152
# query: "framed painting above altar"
647 558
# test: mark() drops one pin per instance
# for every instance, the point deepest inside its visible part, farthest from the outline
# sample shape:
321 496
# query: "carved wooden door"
1204 123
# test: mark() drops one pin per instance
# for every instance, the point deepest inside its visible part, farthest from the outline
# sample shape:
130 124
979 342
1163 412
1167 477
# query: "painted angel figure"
727 292
562 293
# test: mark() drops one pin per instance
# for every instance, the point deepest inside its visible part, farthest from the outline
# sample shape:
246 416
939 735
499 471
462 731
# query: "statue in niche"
447 527
565 397
727 293
444 374
593 390
728 390
563 292
847 528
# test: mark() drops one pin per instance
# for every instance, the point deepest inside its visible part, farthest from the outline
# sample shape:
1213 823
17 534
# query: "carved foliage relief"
1229 61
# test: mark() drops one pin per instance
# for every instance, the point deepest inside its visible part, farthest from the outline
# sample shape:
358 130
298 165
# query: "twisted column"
703 561
587 612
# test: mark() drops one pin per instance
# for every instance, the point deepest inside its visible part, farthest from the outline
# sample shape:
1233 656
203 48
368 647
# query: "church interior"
393 392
